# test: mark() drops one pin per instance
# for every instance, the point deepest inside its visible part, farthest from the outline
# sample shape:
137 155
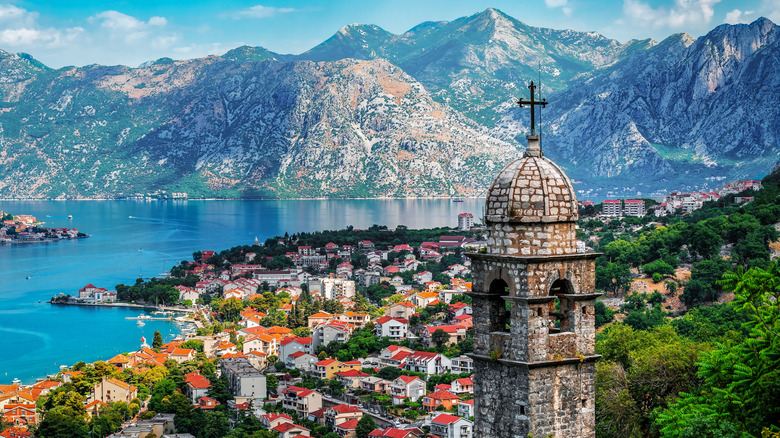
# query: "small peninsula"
25 228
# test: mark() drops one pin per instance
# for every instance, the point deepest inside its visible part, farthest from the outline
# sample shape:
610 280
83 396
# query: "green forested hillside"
715 371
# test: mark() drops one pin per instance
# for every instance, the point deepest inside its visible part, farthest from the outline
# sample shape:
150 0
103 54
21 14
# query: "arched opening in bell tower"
562 307
499 322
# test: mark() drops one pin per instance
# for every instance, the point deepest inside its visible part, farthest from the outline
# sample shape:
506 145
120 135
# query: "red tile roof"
297 339
15 432
394 433
446 419
443 395
352 374
348 425
199 383
300 392
409 379
284 427
344 409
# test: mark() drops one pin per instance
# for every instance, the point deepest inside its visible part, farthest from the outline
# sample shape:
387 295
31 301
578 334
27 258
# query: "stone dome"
531 189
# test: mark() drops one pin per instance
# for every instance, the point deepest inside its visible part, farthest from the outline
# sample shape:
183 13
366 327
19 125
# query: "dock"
150 318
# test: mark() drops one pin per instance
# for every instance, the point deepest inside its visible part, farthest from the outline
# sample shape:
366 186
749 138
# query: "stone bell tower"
533 302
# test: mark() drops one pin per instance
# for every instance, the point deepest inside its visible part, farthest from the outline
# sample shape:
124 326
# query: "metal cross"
531 103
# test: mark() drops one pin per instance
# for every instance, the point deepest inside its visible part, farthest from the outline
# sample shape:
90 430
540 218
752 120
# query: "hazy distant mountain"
475 62
217 127
684 108
370 113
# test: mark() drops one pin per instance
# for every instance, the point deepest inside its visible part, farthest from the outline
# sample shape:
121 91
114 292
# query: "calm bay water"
140 238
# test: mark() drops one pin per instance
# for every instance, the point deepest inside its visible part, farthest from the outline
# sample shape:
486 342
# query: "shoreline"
380 198
15 241
31 380
124 305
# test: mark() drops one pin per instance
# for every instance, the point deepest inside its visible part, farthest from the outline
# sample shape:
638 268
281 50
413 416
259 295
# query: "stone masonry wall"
531 189
555 397
513 401
561 401
500 400
532 239
529 336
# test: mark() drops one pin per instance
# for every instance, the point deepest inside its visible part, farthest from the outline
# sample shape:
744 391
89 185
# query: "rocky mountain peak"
248 53
430 111
741 40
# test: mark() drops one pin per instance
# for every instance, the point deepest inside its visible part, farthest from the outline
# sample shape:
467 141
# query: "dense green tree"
365 426
740 395
333 306
696 292
440 337
193 344
624 252
703 240
466 345
335 386
162 389
389 373
711 323
658 267
230 309
217 425
612 277
603 314
110 419
62 422
271 384
157 341
220 388
639 374
645 318
177 403
377 292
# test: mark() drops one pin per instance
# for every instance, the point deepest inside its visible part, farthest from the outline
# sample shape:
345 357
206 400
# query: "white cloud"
684 13
563 4
117 25
736 17
260 11
13 13
21 31
109 37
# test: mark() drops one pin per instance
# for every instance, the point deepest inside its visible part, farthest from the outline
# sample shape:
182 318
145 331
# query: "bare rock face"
369 113
681 108
268 128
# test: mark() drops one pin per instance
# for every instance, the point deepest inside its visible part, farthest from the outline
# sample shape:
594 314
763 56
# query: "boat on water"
70 216
140 323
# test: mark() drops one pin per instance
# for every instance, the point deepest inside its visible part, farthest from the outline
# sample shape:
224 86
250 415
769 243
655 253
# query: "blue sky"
80 32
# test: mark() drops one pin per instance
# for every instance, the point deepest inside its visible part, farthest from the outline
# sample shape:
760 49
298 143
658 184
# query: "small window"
499 322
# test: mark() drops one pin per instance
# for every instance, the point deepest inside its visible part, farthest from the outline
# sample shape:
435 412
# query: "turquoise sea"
145 238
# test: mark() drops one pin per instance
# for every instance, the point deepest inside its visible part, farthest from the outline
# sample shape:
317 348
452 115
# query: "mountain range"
369 113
